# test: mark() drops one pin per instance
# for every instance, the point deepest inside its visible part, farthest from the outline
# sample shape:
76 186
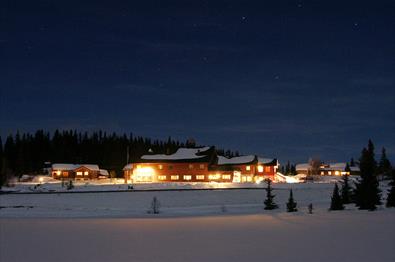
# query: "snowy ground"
223 225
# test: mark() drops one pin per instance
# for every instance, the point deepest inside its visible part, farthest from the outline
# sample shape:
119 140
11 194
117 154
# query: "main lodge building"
200 164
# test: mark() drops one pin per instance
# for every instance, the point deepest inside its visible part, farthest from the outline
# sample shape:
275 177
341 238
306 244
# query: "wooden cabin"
199 164
77 171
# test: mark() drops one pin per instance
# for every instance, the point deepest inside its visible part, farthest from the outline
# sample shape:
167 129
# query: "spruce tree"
336 202
367 192
391 192
346 191
269 203
384 167
291 204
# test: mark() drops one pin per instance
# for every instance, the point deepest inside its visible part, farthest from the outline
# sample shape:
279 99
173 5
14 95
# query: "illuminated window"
174 177
337 173
200 177
86 173
138 166
213 177
65 173
260 169
267 169
190 166
225 176
187 177
248 168
329 173
161 177
201 166
249 179
160 167
79 173
322 173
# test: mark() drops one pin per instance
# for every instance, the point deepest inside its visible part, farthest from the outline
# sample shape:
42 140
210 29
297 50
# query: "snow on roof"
235 160
180 154
74 166
128 167
303 166
262 160
103 172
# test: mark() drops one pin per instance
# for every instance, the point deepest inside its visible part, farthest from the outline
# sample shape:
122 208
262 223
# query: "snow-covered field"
221 225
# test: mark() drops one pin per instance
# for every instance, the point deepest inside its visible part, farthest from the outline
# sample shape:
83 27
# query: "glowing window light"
58 172
214 177
190 166
79 173
337 173
329 173
225 176
322 173
248 168
162 177
174 177
143 174
187 177
200 177
160 167
260 169
201 166
86 173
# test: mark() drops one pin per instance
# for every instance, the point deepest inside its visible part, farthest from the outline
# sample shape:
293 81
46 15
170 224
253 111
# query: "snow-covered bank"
173 203
330 236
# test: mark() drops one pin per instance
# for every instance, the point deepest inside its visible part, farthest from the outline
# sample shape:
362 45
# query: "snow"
303 166
204 225
265 160
103 172
235 160
180 154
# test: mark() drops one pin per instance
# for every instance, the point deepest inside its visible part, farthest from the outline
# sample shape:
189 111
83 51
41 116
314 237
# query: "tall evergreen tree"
346 191
367 192
391 192
291 204
336 201
352 163
269 202
384 167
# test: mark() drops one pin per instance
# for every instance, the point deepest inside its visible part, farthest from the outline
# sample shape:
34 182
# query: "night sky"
286 79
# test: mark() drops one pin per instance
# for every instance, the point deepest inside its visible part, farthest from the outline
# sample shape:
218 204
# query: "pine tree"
336 201
291 205
367 192
391 192
155 205
384 167
269 203
346 191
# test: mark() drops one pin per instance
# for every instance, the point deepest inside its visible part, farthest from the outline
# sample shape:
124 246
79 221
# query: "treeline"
26 153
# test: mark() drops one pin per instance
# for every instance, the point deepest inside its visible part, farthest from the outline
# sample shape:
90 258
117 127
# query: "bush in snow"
291 205
70 185
155 205
336 202
310 208
269 203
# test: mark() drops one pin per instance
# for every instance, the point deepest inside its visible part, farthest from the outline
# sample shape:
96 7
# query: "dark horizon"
289 79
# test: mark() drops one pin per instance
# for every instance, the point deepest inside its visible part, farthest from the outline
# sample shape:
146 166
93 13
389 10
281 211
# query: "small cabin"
78 171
